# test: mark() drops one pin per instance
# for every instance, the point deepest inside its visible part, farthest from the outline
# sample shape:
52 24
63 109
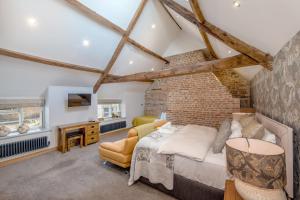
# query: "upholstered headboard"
284 138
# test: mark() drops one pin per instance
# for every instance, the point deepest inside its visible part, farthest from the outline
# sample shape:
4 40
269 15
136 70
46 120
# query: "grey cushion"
254 130
223 135
247 119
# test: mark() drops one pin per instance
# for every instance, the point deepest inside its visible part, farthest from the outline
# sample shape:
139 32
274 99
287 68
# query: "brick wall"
238 86
191 99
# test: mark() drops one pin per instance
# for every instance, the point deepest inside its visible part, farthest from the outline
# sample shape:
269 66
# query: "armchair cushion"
117 146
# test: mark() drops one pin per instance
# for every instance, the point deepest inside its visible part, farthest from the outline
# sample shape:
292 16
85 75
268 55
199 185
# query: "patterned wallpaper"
277 94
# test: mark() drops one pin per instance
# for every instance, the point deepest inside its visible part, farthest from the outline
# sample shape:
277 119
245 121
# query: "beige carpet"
78 174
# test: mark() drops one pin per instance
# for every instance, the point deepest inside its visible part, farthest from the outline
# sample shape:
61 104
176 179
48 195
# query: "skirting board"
27 156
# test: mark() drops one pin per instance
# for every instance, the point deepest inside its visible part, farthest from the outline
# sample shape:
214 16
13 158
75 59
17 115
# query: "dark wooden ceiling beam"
199 15
144 49
55 63
170 15
261 57
208 66
121 44
95 16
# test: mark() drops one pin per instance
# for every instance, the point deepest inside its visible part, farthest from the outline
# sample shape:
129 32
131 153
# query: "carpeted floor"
78 174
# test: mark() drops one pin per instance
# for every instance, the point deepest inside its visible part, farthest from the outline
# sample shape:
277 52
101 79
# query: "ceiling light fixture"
229 52
153 26
86 43
152 69
32 22
236 3
130 62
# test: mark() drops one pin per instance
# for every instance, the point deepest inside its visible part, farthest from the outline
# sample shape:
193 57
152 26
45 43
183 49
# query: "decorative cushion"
23 128
269 137
245 120
253 130
223 135
4 131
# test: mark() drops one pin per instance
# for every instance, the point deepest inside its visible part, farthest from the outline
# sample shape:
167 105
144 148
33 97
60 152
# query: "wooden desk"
90 133
230 191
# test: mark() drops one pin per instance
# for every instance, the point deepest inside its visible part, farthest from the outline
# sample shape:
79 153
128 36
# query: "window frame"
110 103
20 111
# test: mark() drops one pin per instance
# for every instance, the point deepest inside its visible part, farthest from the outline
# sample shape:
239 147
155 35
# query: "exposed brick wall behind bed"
191 99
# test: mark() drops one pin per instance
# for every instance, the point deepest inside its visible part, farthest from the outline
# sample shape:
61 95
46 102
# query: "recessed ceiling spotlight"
152 69
130 62
153 26
86 43
32 22
236 3
229 51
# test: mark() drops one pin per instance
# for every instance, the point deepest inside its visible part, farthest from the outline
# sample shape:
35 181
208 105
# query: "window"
12 115
109 109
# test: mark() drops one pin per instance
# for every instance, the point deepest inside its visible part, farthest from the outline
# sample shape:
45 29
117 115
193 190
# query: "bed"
188 178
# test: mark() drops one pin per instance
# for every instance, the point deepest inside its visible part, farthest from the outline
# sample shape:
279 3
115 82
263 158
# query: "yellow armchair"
120 152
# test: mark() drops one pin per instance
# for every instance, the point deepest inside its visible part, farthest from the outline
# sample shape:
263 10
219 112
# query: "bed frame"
186 189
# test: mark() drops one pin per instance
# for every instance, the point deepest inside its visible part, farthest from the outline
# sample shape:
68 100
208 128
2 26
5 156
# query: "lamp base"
249 192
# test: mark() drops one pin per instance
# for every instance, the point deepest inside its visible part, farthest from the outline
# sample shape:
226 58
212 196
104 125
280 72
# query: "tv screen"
75 100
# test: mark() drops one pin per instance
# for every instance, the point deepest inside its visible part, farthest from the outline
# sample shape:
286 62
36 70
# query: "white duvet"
192 141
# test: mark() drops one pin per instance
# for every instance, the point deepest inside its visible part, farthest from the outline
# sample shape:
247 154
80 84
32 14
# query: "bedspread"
146 162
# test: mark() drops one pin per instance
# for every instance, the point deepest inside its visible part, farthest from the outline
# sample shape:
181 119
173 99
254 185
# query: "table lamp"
258 168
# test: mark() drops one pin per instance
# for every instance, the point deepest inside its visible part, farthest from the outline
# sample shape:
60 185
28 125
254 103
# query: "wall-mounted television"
75 100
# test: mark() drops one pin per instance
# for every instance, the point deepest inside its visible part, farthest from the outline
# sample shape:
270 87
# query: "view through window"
13 117
108 111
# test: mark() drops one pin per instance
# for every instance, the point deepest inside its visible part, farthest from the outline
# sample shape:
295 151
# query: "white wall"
57 111
132 96
20 78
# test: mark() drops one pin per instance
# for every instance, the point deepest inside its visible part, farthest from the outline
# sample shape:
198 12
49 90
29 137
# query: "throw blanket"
145 129
192 141
148 163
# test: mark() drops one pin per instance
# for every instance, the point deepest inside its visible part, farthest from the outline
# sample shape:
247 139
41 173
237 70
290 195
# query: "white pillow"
269 137
235 125
236 134
236 129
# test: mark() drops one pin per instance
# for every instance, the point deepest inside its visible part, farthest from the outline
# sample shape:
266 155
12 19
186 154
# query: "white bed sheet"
212 171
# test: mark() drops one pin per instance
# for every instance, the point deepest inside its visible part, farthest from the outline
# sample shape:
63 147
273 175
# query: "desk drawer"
94 127
92 132
92 139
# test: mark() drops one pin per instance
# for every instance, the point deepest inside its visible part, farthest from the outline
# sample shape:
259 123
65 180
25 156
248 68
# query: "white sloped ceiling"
60 30
264 24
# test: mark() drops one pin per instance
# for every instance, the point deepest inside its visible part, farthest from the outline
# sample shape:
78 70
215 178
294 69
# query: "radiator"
112 126
15 148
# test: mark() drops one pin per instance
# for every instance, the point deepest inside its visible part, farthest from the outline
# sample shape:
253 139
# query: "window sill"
31 132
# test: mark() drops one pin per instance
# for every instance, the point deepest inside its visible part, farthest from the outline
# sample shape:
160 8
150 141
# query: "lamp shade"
257 162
